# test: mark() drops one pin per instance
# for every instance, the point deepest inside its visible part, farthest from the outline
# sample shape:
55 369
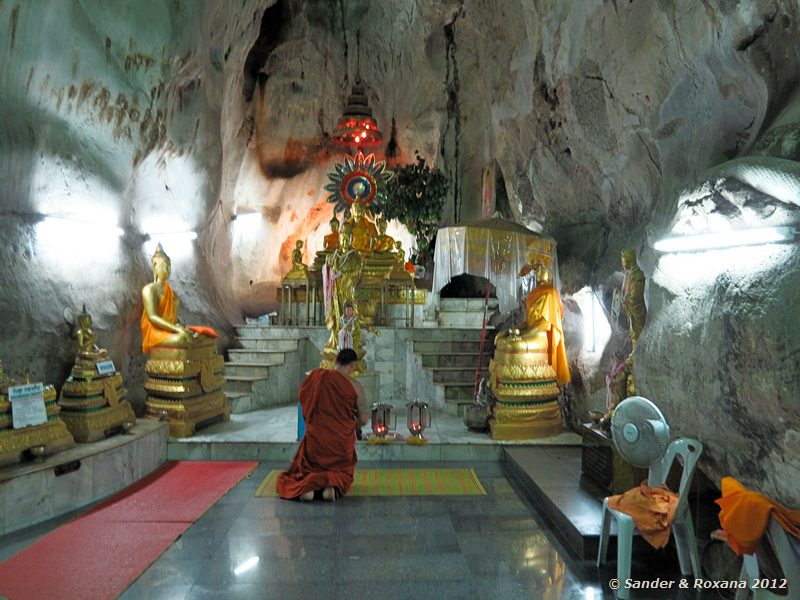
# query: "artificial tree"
415 197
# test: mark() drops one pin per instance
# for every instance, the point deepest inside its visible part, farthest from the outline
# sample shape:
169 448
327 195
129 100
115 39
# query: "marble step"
455 375
242 369
270 332
271 344
239 383
461 319
450 334
240 402
253 356
454 359
466 304
446 347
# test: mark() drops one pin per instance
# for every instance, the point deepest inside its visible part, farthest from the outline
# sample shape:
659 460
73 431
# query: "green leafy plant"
415 197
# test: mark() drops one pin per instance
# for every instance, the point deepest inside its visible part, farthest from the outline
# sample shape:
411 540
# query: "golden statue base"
187 415
93 406
93 426
39 440
184 387
525 421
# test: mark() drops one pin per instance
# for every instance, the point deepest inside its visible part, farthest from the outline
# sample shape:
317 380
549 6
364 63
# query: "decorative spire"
159 253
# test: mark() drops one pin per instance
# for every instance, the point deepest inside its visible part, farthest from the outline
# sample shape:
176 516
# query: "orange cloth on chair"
153 336
744 515
326 456
652 511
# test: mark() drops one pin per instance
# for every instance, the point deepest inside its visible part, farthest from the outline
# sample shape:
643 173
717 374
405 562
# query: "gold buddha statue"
299 271
364 230
528 366
92 398
331 240
184 369
382 243
633 295
343 274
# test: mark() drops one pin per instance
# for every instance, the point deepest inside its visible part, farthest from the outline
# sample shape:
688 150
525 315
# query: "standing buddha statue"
634 306
184 369
331 240
341 275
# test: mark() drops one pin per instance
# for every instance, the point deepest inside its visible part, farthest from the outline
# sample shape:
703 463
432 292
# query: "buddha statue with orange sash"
184 370
529 366
160 324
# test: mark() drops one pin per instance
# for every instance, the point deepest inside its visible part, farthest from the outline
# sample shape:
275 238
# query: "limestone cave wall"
587 120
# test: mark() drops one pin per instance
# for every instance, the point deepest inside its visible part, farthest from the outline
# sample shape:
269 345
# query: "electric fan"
639 432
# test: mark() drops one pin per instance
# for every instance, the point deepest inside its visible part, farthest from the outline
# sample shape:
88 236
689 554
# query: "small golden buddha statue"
299 270
364 230
382 243
86 336
160 324
331 240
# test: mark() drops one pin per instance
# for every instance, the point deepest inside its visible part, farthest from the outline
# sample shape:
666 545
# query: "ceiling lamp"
356 126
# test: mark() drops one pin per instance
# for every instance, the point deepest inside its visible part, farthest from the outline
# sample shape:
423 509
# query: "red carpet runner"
99 554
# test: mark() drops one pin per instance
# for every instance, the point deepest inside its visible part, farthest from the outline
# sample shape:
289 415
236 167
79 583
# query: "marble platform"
35 491
271 434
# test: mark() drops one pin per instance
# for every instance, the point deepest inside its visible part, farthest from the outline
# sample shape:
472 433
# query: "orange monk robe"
652 511
544 303
326 456
153 336
744 516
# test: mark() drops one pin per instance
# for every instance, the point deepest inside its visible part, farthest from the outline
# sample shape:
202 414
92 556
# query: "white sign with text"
105 367
27 405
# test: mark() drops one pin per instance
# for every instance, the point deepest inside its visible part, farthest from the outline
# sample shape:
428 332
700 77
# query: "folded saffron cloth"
744 515
652 511
202 330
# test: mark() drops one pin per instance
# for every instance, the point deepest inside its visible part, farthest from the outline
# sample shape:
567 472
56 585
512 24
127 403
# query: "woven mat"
401 482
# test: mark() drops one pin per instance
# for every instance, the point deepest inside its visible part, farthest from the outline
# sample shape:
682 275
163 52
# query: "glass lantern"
418 419
383 420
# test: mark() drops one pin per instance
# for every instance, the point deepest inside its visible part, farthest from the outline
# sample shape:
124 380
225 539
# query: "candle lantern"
418 419
382 419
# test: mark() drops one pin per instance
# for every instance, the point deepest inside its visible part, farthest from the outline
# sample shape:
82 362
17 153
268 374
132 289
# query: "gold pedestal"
93 406
525 422
527 396
40 440
185 387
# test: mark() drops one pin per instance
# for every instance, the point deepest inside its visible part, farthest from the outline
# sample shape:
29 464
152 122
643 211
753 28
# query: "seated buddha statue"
298 270
87 348
331 240
544 312
364 230
160 324
382 243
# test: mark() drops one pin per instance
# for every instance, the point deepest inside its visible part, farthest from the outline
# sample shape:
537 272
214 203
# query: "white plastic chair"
689 451
787 559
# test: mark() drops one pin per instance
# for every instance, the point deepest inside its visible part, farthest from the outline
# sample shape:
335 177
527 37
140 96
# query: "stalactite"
452 88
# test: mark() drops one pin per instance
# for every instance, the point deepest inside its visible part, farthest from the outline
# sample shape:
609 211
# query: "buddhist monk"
333 405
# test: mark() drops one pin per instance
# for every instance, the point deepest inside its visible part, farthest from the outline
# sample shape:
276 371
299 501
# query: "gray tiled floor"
491 546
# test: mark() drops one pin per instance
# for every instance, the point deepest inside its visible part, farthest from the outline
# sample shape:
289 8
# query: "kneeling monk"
333 406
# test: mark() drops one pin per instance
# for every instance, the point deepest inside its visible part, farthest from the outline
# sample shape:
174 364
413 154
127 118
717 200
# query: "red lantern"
418 420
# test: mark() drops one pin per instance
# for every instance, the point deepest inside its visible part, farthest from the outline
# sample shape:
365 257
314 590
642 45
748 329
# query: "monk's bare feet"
329 494
307 497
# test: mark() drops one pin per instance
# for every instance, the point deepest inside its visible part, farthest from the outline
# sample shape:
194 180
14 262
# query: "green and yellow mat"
400 482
